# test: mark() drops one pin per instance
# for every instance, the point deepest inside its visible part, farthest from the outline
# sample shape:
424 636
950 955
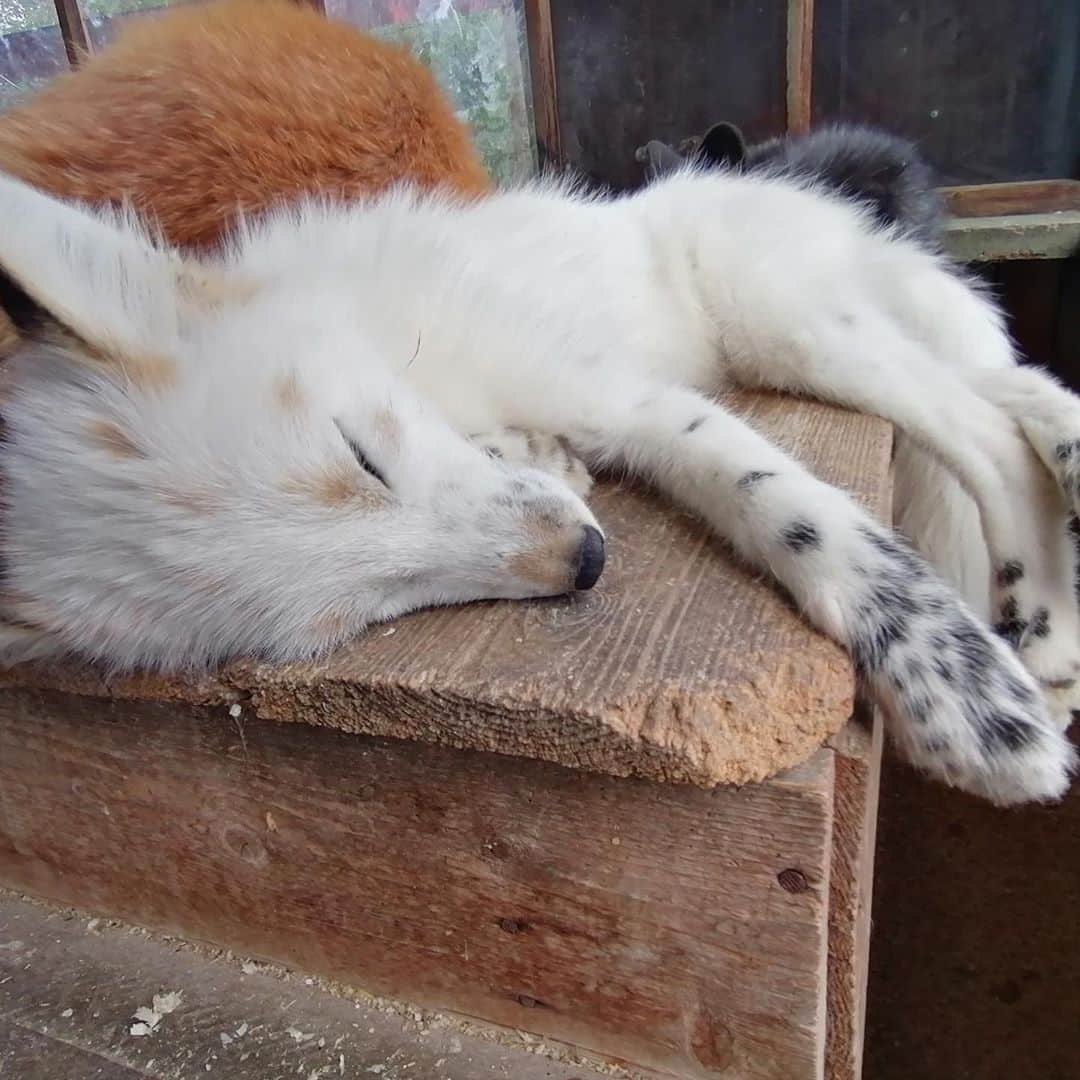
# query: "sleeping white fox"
268 450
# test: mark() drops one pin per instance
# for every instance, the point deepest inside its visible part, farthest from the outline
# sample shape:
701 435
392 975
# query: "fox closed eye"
361 458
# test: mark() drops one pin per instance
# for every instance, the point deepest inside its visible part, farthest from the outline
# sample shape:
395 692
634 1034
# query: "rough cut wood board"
1055 235
679 929
855 806
679 666
1021 197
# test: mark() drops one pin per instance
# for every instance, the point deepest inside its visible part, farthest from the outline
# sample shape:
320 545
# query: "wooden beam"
1014 236
800 64
851 885
1028 219
1018 197
73 30
541 41
674 928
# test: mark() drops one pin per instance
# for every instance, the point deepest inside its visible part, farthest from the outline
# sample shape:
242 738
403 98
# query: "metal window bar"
77 42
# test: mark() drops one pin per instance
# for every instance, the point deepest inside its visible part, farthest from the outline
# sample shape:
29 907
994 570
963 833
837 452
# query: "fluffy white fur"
410 333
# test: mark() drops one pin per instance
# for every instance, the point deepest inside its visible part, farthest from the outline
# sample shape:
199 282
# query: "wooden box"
526 813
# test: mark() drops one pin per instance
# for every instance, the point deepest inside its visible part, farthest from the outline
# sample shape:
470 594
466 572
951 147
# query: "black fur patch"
694 425
944 671
1002 730
1011 627
1040 623
889 606
800 536
1010 573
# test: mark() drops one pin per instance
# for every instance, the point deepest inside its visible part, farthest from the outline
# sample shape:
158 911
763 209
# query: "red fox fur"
204 110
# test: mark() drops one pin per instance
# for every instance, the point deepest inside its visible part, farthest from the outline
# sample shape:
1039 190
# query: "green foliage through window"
478 60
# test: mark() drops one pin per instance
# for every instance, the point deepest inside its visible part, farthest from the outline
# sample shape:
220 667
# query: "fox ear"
658 158
723 144
68 272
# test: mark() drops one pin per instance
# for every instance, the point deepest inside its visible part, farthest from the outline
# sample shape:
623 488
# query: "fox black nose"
590 558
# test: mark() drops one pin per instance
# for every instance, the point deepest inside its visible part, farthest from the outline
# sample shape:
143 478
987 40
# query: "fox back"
201 112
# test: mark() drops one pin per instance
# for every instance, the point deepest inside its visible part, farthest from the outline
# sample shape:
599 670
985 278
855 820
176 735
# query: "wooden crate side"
858 769
675 928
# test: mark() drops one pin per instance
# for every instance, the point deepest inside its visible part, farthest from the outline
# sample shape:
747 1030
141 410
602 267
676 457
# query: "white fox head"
199 464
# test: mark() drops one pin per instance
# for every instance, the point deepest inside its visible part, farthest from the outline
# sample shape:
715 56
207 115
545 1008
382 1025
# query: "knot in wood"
792 880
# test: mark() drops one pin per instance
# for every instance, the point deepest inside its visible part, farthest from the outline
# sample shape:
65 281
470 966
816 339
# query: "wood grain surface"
675 928
681 665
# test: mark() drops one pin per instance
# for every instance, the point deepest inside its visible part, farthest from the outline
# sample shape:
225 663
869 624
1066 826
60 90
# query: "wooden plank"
1054 235
800 65
671 927
858 749
858 769
1023 197
73 30
545 90
69 986
681 665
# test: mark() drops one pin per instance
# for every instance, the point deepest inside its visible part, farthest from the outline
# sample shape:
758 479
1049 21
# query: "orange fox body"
205 111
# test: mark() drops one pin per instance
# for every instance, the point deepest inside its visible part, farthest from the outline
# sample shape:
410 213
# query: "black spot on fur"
1010 573
999 730
1011 630
971 650
1011 627
748 480
800 536
871 646
919 711
694 425
891 604
943 670
895 550
1065 451
916 670
1023 694
1040 623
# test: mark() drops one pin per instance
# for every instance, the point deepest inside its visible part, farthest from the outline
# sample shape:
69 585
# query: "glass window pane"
476 48
104 18
31 48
